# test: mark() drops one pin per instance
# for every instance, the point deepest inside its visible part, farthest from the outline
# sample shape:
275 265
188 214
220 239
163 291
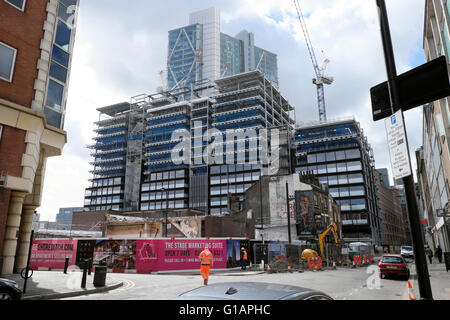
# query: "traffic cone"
411 295
268 269
289 267
334 265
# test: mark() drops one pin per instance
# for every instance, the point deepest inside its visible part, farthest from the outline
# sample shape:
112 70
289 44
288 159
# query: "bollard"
90 266
66 265
83 279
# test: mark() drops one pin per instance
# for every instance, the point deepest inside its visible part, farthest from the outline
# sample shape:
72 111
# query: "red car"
393 265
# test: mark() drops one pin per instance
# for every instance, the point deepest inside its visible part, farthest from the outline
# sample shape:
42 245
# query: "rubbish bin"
100 276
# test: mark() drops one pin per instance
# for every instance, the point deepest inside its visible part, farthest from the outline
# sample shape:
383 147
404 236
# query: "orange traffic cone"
411 295
268 269
334 265
289 267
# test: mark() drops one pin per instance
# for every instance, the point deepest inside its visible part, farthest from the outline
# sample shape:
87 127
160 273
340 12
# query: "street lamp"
165 211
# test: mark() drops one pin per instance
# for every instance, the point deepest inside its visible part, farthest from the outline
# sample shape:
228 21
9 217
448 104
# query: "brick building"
36 45
392 223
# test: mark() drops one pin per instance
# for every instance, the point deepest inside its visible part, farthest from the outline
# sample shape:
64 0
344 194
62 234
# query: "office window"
55 95
19 4
352 154
7 61
354 166
58 72
331 168
62 37
52 117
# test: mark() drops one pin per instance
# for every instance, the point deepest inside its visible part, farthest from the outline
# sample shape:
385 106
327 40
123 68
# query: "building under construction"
225 142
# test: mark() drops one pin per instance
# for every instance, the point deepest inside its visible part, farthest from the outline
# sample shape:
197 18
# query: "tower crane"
321 79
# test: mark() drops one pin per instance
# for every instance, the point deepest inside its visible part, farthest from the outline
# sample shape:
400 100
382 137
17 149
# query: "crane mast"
320 79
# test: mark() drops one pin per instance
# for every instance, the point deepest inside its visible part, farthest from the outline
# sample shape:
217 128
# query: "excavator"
333 228
311 253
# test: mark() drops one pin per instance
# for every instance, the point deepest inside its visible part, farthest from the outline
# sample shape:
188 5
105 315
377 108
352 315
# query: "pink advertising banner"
159 255
52 253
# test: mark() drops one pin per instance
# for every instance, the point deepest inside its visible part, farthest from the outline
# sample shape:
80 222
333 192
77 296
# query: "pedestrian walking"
207 261
244 259
439 254
429 253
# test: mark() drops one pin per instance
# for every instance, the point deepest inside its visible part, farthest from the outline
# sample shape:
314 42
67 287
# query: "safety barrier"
315 263
411 295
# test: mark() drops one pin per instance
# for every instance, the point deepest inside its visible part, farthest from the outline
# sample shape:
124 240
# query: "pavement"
47 285
439 280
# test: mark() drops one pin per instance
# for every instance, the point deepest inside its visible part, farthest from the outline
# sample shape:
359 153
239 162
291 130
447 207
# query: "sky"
120 50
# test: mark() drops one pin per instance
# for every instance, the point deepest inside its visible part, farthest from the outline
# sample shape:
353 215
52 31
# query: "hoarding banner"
158 255
52 253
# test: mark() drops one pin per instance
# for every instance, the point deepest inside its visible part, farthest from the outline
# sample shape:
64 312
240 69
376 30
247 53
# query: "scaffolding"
136 123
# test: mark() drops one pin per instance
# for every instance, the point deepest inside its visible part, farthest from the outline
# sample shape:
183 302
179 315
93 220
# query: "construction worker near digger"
244 259
207 261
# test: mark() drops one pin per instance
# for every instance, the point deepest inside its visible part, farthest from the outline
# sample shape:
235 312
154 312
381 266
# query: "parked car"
9 290
393 265
252 291
407 252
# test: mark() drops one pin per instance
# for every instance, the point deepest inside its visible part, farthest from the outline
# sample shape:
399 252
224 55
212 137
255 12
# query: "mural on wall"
304 214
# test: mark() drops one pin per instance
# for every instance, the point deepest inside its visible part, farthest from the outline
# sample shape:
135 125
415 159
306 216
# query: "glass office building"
200 53
339 154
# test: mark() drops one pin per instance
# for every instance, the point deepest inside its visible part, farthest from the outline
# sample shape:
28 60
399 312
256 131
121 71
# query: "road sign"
441 212
426 83
398 149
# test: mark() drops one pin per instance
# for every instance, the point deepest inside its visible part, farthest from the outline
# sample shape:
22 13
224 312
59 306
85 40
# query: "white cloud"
120 50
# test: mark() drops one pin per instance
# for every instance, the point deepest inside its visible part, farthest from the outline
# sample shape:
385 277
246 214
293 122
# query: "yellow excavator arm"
333 228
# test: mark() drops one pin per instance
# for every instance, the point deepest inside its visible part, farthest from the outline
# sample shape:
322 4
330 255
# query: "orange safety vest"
245 255
206 257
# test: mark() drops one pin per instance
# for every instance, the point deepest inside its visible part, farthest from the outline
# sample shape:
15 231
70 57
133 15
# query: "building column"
24 238
12 231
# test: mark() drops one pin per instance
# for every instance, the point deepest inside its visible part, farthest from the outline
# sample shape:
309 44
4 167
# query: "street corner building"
36 44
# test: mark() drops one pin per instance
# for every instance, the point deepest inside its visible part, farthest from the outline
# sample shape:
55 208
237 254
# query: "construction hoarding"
52 254
137 255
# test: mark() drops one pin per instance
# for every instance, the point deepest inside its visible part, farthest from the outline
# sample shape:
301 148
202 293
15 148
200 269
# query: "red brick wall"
4 204
22 31
12 148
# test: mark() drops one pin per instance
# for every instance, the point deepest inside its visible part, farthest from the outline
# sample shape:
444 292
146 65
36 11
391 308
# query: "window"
352 154
58 72
55 95
19 4
52 117
62 37
7 61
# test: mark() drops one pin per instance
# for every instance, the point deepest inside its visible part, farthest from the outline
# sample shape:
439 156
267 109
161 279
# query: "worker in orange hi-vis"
207 261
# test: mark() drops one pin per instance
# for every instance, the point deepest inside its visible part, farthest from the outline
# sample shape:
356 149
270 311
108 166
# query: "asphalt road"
342 284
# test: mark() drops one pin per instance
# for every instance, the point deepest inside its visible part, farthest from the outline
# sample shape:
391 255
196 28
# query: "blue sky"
120 50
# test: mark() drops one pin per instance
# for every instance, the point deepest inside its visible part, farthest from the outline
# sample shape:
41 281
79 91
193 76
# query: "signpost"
419 86
426 83
398 150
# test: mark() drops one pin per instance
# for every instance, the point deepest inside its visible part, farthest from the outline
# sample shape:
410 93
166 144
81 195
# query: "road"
342 284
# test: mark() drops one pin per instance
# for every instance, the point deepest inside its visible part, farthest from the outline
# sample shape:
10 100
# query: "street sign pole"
408 181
